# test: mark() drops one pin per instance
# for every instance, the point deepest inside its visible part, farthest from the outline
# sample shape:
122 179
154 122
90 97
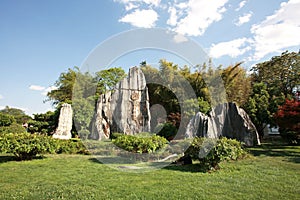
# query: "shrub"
210 152
140 144
71 146
288 120
83 134
13 128
26 146
166 130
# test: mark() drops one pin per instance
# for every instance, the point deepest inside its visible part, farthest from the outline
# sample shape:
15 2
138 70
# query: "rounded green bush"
210 152
138 144
26 146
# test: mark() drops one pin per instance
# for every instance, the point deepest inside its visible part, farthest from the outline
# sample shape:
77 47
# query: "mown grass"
273 173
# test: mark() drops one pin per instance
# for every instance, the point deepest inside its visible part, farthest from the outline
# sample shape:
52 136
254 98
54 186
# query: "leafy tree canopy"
18 114
281 74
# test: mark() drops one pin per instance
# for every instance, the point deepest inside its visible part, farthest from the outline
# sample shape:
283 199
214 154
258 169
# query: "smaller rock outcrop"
64 128
226 120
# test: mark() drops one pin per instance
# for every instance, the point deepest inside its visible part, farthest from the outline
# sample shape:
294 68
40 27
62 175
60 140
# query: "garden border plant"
26 146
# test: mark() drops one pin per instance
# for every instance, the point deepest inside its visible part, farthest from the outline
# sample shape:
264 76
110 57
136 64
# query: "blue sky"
41 39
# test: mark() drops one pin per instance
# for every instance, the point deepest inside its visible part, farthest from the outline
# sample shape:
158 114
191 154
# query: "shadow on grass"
187 168
10 158
292 153
112 160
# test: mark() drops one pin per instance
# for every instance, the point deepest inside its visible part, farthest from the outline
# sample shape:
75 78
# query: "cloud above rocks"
36 87
141 18
278 31
186 18
244 19
42 89
232 48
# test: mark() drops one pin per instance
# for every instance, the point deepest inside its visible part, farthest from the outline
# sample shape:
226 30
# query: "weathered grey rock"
226 120
102 118
64 128
126 110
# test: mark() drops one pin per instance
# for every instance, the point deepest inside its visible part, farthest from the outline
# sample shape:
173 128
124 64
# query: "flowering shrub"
288 120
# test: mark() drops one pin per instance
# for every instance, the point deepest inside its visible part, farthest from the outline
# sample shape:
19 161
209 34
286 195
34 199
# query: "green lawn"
273 173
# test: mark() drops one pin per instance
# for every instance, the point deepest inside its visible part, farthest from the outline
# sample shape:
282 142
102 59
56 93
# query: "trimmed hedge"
26 146
210 152
136 144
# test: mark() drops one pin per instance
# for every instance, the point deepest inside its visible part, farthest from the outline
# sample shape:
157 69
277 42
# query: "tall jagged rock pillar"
125 110
64 128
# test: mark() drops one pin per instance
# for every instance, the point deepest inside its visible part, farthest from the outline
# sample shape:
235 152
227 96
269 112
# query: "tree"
237 84
281 74
18 114
258 107
45 123
6 120
273 82
65 85
108 78
84 111
288 120
76 84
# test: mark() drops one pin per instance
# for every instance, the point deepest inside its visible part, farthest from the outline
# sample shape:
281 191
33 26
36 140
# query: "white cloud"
232 48
36 87
136 2
1 97
141 18
43 89
48 89
244 19
130 6
195 16
278 31
173 16
241 5
178 38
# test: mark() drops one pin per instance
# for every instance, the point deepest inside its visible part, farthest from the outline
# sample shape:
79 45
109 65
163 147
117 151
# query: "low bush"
291 136
138 144
166 130
210 152
26 146
12 128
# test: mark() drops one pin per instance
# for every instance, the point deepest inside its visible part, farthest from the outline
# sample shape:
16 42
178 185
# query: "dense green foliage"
76 84
6 120
18 114
166 130
44 123
210 152
140 144
13 128
258 107
26 146
281 73
273 82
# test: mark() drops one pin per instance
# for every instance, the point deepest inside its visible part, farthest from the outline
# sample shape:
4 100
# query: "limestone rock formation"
226 120
64 128
126 110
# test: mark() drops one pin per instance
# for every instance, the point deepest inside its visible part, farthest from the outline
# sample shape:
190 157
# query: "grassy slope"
274 173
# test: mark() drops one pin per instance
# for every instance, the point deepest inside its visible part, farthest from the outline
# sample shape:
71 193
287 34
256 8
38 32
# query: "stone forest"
159 133
127 111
